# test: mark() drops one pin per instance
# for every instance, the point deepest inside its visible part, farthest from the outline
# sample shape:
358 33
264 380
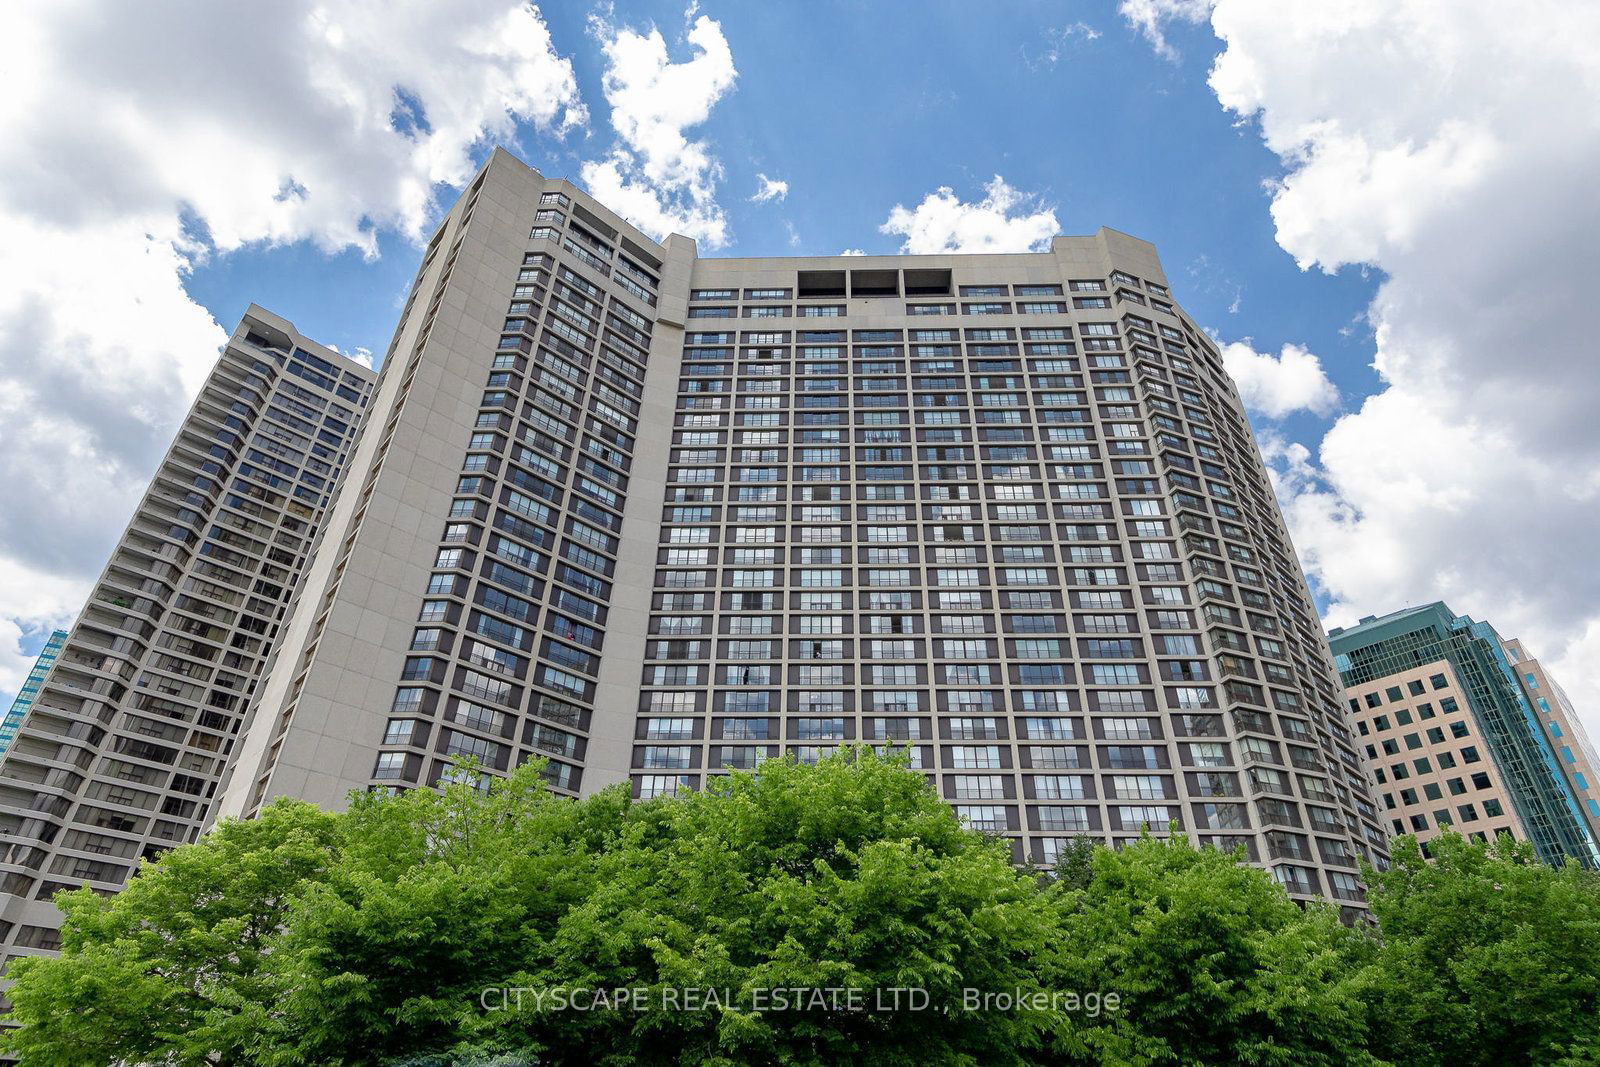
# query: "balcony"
1287 848
1279 813
1251 721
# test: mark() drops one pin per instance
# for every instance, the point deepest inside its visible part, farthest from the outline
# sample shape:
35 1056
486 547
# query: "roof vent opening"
927 283
874 283
820 283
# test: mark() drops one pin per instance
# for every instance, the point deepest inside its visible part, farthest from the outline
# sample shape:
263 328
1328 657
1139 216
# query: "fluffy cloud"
1005 220
1445 145
655 176
1276 386
141 139
769 189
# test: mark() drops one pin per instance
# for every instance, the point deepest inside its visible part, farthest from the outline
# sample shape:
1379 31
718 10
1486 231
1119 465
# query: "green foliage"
1488 957
370 937
438 895
161 971
1074 866
851 874
1214 963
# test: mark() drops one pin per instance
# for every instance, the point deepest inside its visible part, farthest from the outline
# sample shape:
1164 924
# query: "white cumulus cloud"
1005 220
656 176
1276 386
1452 148
140 139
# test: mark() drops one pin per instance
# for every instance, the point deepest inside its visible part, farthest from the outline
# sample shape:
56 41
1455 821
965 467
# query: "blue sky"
1105 131
1331 187
1070 104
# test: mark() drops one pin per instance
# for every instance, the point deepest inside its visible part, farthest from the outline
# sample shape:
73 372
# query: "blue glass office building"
30 689
1451 736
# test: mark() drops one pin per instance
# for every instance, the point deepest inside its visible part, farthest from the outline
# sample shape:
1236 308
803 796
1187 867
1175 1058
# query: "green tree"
851 874
438 895
368 937
1488 956
1211 960
1074 864
160 972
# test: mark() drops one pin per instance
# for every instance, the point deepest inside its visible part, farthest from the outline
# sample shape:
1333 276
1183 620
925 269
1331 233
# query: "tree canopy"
804 915
1488 956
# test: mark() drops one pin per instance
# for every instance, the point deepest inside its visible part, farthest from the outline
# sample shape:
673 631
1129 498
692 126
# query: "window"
979 787
661 785
975 757
1059 787
989 817
1138 786
1155 817
390 765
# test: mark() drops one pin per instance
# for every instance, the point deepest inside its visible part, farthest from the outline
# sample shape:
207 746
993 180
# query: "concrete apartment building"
121 752
654 518
1463 729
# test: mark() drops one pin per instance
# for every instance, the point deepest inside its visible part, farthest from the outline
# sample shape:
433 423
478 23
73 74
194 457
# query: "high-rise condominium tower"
1464 729
655 517
120 754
